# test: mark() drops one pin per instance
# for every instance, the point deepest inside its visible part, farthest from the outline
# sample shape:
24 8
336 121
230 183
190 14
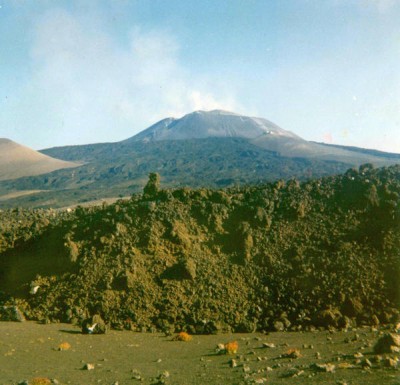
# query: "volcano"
17 161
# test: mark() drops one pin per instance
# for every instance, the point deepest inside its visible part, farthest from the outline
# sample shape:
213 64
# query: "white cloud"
86 84
202 101
382 5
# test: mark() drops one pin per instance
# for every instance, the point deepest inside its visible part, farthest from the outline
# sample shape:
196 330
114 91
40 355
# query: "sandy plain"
29 351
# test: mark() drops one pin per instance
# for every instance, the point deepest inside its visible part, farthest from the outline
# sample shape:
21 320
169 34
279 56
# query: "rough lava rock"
94 325
388 343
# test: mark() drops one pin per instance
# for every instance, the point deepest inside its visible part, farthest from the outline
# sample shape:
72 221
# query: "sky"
87 71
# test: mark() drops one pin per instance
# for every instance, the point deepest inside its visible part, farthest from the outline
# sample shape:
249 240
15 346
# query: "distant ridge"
17 161
206 124
259 131
202 149
369 151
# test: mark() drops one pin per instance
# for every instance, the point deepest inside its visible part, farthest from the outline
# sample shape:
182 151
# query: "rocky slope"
281 255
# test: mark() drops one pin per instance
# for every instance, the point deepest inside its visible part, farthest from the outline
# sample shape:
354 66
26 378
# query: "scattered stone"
395 349
293 372
390 362
278 326
246 368
358 355
329 368
162 378
94 325
366 363
292 353
88 367
165 374
388 343
220 349
233 363
136 375
228 348
377 359
64 346
345 365
317 355
269 345
299 373
182 336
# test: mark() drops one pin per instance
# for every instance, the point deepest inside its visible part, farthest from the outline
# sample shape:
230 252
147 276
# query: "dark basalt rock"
11 313
388 343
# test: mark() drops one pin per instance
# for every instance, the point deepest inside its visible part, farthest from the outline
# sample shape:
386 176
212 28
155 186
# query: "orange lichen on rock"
64 346
231 347
40 381
183 336
293 353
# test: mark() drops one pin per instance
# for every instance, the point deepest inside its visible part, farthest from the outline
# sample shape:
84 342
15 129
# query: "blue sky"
75 72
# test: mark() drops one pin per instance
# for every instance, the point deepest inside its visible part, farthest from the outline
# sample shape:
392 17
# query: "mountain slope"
121 169
17 161
215 124
224 125
261 133
210 149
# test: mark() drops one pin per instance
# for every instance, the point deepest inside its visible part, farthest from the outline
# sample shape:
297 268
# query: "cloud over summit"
76 71
85 79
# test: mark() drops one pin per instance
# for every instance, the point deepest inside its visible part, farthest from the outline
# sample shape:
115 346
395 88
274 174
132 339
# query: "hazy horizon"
77 72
